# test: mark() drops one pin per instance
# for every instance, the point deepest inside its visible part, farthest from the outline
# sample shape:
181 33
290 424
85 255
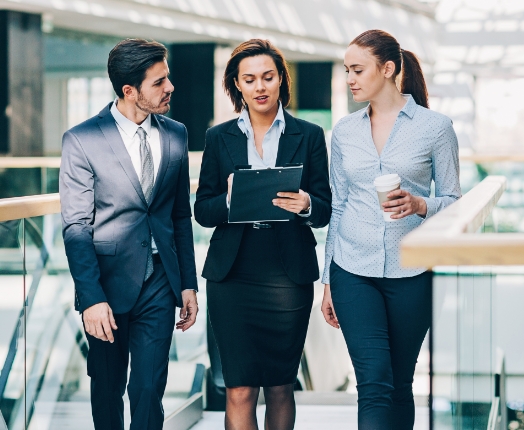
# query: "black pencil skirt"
259 316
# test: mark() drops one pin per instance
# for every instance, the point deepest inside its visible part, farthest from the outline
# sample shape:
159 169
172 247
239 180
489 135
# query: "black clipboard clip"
242 166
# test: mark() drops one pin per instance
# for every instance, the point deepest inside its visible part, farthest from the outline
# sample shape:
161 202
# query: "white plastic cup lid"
387 180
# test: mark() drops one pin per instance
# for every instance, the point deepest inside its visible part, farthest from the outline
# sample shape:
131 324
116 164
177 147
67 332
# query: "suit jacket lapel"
236 144
164 160
108 126
289 141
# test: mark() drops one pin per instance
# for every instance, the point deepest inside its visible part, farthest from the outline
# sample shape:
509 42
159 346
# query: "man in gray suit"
124 191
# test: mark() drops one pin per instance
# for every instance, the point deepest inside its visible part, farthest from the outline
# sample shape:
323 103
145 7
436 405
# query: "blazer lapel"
164 148
289 141
108 126
236 144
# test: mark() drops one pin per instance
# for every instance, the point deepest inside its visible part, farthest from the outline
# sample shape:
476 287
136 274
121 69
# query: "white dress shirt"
128 131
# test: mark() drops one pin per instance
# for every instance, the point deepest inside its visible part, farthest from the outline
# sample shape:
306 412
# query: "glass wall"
475 323
463 348
43 350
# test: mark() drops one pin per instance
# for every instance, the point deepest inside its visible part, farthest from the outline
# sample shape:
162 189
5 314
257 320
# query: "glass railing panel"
46 384
18 182
12 339
463 348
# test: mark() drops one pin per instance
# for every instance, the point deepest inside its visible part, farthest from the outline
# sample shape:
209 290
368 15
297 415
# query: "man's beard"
146 106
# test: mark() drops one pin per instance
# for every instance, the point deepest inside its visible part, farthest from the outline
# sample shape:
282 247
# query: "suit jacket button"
144 243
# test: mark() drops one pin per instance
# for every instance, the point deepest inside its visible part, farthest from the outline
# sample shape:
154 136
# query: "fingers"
88 328
289 205
294 196
106 326
112 320
99 330
190 320
99 322
397 202
188 315
397 193
329 315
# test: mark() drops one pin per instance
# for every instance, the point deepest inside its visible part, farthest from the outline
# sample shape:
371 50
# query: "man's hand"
99 320
189 312
293 202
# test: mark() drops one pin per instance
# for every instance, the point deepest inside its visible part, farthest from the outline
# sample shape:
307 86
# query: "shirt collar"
244 123
128 126
409 108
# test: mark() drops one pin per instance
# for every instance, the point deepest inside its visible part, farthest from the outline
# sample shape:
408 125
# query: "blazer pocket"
105 248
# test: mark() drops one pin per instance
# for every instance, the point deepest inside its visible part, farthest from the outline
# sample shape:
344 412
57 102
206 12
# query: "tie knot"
141 133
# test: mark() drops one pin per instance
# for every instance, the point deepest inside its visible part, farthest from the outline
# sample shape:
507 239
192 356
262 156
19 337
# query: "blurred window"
86 97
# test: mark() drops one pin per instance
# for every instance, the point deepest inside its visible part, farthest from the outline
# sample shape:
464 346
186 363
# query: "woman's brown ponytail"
385 47
412 80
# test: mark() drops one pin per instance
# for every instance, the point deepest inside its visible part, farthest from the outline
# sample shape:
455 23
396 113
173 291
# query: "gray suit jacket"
107 222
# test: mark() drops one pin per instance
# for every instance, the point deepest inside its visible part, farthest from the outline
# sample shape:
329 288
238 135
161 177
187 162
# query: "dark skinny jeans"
384 322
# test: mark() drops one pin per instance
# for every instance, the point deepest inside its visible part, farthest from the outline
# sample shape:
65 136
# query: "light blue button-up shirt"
270 142
421 148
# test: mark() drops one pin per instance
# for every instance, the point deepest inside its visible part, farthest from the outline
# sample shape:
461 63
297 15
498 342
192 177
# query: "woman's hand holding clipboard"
258 195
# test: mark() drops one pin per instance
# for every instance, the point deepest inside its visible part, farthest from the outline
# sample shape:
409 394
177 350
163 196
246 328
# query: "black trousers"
145 334
384 322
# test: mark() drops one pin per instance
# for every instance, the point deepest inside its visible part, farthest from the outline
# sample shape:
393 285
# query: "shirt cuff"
227 201
325 275
431 208
308 213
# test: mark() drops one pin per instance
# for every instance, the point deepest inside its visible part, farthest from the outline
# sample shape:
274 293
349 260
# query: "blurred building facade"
64 48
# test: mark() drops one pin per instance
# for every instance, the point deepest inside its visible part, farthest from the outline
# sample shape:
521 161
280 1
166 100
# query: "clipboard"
253 191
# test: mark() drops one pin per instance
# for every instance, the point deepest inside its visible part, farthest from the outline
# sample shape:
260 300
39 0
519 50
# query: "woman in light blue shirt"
384 311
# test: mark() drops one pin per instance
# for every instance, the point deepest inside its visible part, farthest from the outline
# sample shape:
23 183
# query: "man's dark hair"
129 60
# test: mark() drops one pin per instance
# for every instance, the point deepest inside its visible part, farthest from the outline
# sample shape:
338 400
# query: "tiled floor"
311 417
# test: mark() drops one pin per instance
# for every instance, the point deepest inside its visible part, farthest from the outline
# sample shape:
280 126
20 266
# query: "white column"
224 110
339 93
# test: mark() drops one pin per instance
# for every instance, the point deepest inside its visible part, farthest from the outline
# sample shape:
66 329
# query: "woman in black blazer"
260 275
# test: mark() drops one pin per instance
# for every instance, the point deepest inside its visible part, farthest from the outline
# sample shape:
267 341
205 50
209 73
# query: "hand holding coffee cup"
385 185
395 202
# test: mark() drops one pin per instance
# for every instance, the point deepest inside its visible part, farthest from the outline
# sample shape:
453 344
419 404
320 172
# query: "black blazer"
226 147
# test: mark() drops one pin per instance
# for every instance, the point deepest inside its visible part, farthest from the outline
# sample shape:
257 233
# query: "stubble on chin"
146 106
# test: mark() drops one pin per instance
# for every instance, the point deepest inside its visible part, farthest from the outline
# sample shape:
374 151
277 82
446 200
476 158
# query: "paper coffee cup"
384 185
